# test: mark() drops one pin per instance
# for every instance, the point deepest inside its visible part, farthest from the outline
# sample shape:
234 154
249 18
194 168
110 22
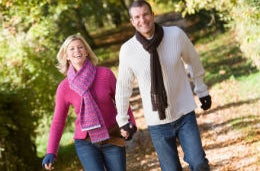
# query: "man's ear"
132 21
153 14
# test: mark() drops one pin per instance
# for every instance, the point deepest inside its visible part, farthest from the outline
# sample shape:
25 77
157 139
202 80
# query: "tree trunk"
84 30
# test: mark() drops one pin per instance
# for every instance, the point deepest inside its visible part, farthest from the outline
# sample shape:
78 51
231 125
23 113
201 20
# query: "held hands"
128 130
48 161
206 102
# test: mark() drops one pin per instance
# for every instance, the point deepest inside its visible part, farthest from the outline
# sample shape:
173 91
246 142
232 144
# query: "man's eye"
136 18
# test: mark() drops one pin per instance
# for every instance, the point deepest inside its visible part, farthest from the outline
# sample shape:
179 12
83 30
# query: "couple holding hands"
155 56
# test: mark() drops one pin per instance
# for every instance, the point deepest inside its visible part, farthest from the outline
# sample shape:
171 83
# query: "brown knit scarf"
158 93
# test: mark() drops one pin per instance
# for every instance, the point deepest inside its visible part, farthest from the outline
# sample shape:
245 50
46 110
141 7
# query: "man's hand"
206 102
128 130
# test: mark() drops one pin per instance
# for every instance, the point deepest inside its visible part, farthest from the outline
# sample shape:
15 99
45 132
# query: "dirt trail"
227 148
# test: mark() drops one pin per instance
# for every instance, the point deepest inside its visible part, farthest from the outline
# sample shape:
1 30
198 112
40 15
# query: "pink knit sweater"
103 90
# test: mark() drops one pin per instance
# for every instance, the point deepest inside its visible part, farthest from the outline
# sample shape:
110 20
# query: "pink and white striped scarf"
90 116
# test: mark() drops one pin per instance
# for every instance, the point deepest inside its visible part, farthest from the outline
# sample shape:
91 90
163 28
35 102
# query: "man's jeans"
186 131
95 157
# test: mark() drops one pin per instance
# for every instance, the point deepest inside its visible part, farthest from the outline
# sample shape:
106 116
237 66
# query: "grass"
250 84
222 59
235 116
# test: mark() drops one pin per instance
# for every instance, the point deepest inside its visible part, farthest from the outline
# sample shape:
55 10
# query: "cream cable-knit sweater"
174 49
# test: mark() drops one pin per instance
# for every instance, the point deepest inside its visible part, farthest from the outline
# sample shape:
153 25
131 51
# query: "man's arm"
196 70
124 88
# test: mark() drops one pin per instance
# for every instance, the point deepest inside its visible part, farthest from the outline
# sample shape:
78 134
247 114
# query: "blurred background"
225 33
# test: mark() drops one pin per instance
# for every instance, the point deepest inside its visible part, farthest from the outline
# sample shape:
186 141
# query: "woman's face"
76 54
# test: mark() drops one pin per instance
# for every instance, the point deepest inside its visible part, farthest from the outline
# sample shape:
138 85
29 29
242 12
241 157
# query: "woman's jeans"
100 157
186 131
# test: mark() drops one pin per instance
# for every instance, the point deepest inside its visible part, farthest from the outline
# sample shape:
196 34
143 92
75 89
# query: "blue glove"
48 159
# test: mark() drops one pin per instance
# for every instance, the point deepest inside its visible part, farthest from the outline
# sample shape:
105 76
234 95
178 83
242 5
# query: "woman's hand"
48 161
128 130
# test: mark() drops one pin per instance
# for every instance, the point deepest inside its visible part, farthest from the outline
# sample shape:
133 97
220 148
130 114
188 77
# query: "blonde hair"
63 63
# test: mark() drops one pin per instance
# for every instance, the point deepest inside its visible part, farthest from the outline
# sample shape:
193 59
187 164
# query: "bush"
242 16
18 152
246 16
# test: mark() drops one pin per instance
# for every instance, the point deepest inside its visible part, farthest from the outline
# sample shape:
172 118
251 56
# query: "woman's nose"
77 49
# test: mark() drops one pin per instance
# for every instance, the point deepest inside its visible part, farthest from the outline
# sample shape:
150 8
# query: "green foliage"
163 6
250 84
18 151
31 33
241 15
223 59
246 16
26 73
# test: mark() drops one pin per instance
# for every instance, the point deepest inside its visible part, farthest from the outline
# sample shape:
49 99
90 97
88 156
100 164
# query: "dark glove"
206 102
130 128
49 158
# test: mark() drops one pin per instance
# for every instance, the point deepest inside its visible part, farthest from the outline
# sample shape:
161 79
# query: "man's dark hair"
139 3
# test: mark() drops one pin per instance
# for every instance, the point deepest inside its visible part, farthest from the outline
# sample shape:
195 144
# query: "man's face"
143 20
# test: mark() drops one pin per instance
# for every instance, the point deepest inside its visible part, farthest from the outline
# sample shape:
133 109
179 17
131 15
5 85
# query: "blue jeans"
95 157
186 131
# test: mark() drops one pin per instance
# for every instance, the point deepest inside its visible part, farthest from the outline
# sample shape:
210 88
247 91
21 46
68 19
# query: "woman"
90 90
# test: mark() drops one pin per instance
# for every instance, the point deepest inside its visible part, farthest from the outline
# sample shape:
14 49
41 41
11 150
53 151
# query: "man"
156 55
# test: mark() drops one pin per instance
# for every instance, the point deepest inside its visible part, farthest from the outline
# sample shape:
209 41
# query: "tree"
242 16
18 152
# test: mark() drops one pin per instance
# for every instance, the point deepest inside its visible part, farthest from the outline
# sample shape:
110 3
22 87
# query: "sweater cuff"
122 119
200 88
